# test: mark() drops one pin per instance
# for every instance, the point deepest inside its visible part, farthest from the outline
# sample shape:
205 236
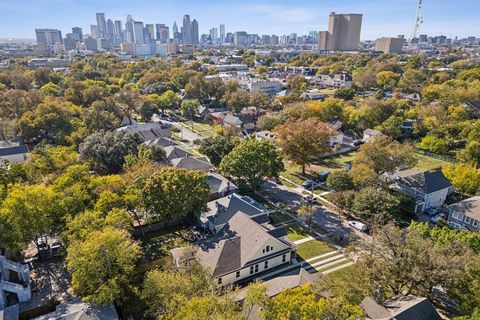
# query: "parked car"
309 198
358 225
437 217
323 175
432 211
308 184
358 142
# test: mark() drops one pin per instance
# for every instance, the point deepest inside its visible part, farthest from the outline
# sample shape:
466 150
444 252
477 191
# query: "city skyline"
380 20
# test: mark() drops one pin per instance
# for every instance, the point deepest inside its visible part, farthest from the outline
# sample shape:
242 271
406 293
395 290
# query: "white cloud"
284 13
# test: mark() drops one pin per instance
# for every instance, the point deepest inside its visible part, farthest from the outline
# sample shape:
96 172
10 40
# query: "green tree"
189 109
102 266
173 193
32 212
384 155
106 151
464 177
251 162
339 181
434 144
306 212
217 147
391 127
387 79
370 203
304 141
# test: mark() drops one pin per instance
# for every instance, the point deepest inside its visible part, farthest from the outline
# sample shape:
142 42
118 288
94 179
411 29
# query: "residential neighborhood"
149 173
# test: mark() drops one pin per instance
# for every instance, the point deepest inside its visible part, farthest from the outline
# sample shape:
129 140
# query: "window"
467 220
284 258
475 223
220 280
266 264
263 250
457 215
251 269
256 268
237 274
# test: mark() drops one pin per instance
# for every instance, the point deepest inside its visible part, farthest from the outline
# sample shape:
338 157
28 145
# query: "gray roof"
192 163
400 308
81 311
149 131
469 207
162 142
236 245
219 184
173 152
8 148
220 211
427 181
275 286
231 119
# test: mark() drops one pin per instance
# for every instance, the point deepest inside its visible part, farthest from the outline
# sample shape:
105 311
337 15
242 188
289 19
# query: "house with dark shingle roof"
400 308
241 251
430 188
219 186
191 163
465 214
220 211
13 152
174 152
149 131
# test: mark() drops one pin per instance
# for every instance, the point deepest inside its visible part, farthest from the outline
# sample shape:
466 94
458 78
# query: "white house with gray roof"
241 251
465 214
13 152
430 188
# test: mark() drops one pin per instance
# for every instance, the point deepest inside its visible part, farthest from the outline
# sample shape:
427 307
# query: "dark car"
358 142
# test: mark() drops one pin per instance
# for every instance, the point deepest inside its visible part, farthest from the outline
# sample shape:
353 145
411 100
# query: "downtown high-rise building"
187 30
150 29
48 37
343 32
214 34
110 29
77 34
222 33
101 25
138 33
118 30
195 35
162 33
129 29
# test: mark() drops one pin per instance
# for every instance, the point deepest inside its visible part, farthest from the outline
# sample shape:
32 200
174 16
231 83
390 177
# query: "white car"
437 217
358 225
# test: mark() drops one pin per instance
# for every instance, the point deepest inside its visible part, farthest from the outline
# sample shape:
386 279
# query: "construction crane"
416 28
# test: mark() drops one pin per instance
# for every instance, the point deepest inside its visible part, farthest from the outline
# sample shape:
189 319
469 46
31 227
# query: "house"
14 284
13 151
269 87
252 113
240 252
465 214
149 131
220 211
400 308
430 188
217 117
337 138
312 95
81 311
191 163
162 142
370 134
219 186
173 152
239 122
473 106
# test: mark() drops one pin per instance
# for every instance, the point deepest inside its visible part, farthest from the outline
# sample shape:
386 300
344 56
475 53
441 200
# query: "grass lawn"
328 92
279 217
313 248
427 163
296 232
321 268
158 244
341 273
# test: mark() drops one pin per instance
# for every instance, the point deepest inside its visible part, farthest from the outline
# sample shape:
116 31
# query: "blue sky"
19 18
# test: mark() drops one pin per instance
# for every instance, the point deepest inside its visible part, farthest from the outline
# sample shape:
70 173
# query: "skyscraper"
101 25
94 31
389 45
195 35
187 30
77 34
48 37
163 33
129 29
150 31
343 32
138 35
214 34
110 29
222 33
176 35
118 30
